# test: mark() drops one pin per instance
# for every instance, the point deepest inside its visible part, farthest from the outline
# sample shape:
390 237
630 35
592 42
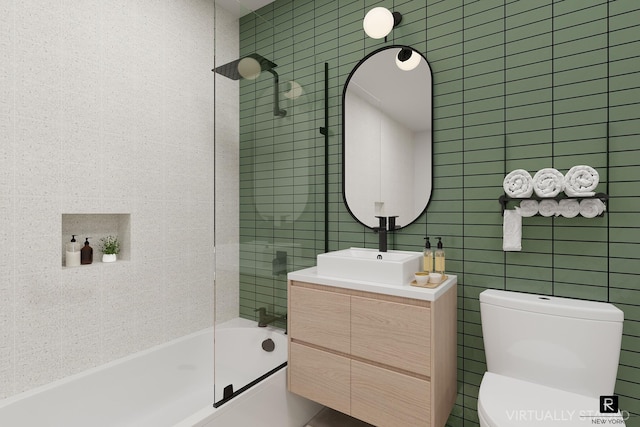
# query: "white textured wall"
227 35
105 107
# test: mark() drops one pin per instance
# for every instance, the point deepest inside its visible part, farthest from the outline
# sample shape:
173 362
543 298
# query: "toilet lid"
504 402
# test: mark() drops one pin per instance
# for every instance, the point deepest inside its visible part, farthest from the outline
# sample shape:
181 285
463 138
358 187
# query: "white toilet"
549 360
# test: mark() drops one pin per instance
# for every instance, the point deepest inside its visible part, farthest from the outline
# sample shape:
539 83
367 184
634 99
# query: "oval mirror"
386 137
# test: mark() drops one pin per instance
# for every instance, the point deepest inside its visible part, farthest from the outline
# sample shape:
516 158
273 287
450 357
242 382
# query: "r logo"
608 404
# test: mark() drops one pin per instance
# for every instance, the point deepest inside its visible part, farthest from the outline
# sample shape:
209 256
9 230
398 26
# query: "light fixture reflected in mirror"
406 60
295 90
379 22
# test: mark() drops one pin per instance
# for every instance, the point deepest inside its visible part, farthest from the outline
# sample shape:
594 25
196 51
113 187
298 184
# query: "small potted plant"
110 248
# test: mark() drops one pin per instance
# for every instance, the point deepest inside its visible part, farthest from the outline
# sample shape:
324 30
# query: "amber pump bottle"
86 253
439 256
428 256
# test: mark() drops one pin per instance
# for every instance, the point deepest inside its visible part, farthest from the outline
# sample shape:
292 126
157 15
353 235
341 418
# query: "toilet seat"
506 402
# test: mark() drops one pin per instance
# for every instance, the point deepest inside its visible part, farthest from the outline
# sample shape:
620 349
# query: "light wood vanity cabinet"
387 360
321 318
392 333
321 376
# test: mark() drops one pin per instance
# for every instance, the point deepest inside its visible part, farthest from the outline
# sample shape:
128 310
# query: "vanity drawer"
320 376
319 317
392 333
387 398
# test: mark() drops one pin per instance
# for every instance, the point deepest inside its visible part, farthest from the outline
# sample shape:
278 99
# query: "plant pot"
108 257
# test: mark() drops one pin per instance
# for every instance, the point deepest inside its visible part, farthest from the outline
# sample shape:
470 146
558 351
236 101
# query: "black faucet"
392 223
264 319
382 230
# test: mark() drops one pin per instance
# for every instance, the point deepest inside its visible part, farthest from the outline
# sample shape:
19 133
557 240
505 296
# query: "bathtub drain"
268 345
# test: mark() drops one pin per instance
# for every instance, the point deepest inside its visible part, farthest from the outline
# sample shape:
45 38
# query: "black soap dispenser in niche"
86 253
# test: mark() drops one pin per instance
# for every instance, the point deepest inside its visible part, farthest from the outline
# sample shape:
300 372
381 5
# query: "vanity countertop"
310 275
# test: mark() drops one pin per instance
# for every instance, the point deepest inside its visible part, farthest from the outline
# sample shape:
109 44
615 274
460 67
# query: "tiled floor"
330 418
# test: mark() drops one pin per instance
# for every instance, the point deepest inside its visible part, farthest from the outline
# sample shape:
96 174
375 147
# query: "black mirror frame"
344 94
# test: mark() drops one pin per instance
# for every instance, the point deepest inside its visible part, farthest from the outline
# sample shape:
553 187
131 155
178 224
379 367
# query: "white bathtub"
168 385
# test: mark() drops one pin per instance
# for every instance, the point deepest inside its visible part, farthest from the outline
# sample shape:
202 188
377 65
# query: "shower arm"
276 98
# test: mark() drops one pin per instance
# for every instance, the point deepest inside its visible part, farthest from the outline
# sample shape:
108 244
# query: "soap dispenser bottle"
427 256
72 252
86 253
439 256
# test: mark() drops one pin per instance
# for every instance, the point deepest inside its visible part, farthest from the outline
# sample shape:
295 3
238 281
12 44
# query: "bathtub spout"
264 319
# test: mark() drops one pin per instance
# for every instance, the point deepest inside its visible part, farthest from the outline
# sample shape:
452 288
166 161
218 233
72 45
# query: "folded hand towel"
548 182
581 181
528 208
518 183
511 231
548 207
568 208
591 208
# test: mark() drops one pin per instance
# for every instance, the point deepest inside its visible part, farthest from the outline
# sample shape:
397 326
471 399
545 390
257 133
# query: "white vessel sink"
392 268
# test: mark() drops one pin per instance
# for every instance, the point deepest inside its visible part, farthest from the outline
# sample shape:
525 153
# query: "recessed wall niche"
97 226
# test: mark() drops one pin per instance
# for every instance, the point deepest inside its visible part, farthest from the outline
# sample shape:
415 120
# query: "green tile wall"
517 84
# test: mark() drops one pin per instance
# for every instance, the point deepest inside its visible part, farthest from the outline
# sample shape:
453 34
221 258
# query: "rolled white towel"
527 208
591 208
518 184
548 182
548 207
511 231
581 181
568 208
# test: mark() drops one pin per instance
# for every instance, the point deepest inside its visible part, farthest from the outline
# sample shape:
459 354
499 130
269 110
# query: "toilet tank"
563 343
